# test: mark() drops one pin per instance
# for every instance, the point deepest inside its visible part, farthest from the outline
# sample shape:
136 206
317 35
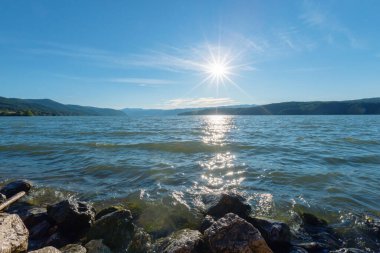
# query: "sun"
218 70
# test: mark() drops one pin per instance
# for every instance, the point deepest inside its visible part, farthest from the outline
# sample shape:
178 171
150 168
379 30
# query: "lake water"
326 165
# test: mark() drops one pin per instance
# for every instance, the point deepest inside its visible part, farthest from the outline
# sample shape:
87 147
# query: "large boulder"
97 246
141 242
182 241
73 248
229 203
206 223
232 234
73 217
108 210
48 249
13 234
276 233
15 187
116 229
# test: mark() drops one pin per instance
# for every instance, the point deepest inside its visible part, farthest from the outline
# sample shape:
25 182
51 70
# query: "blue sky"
157 54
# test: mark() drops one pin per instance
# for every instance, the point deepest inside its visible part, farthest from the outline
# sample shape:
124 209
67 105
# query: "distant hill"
139 112
349 107
47 107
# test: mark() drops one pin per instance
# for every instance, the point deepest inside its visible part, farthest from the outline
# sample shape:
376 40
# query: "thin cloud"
198 102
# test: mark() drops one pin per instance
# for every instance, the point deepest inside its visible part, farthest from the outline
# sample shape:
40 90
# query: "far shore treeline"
47 107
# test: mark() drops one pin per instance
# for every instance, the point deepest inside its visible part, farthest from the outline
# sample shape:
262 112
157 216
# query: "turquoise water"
327 165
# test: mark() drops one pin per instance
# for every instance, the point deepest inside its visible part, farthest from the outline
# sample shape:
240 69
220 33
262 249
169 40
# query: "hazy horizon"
189 54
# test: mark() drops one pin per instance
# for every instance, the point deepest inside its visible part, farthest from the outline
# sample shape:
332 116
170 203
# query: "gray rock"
182 241
72 217
97 246
274 232
31 215
232 234
15 187
348 250
48 249
312 220
73 248
229 203
3 198
57 240
141 242
206 223
108 210
116 229
13 234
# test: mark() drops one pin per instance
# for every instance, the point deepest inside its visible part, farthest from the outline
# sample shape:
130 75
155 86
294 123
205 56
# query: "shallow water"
327 165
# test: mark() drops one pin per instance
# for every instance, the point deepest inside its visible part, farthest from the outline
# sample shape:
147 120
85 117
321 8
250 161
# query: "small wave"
174 147
366 159
360 141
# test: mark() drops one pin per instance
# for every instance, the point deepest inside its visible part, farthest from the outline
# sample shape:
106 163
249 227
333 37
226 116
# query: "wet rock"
73 248
13 234
373 227
108 210
182 241
232 234
57 240
73 217
229 203
97 246
40 230
116 229
314 247
275 232
15 187
348 250
32 216
48 249
312 220
206 223
141 242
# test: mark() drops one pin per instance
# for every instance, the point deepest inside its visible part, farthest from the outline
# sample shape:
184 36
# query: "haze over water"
327 165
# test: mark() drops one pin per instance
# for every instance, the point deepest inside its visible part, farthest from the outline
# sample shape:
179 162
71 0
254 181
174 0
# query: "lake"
326 165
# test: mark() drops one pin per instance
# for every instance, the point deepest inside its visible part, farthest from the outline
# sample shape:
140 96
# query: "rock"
276 233
229 203
232 234
314 246
182 241
296 249
40 230
108 210
141 242
31 215
73 217
3 198
116 229
97 246
57 240
15 187
73 248
13 234
348 250
206 223
48 249
312 220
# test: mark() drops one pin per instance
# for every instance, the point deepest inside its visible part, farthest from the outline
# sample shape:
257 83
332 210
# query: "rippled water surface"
328 165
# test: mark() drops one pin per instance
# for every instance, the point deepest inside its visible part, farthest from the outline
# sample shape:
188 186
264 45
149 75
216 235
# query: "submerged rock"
309 219
229 203
72 217
116 229
15 187
182 241
97 246
232 234
48 249
275 232
141 242
73 248
108 210
13 234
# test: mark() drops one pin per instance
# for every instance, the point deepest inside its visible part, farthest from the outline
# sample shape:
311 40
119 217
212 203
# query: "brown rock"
232 234
73 248
48 249
13 234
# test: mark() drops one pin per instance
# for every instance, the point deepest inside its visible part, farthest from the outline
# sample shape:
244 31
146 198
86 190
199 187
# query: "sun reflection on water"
215 128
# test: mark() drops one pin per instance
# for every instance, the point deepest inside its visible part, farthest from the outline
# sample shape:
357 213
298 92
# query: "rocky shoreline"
228 226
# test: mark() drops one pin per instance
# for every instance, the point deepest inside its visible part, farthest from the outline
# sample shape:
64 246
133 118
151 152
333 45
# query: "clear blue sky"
157 54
